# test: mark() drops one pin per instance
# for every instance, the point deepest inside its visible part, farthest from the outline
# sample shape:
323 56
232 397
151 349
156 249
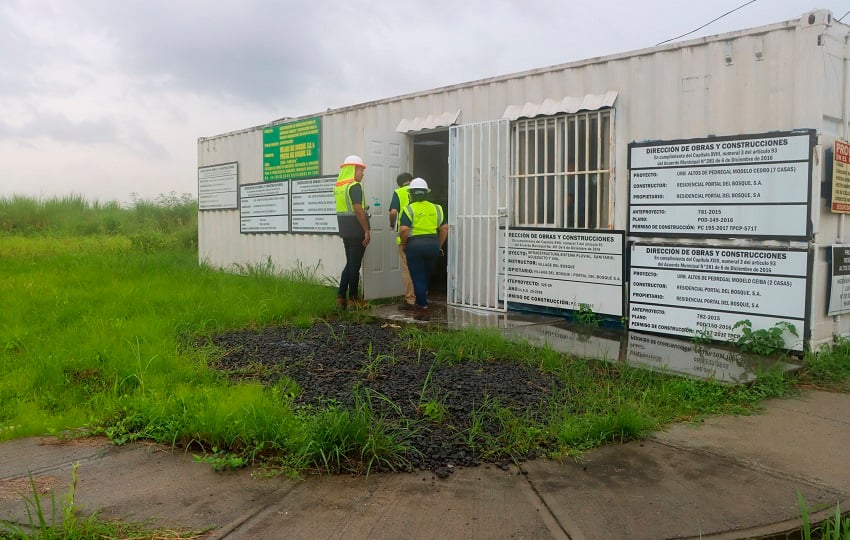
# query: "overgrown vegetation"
102 305
836 527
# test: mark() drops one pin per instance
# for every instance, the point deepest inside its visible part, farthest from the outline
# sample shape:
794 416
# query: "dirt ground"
332 358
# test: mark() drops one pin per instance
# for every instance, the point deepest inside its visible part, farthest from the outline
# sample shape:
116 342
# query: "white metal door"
386 157
478 203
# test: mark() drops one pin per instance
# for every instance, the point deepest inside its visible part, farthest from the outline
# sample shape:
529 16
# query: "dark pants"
421 253
349 282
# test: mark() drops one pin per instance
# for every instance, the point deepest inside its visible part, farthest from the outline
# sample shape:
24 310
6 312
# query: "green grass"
103 307
98 334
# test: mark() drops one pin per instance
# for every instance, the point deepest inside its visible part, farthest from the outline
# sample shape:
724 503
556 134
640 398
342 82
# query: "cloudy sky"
107 98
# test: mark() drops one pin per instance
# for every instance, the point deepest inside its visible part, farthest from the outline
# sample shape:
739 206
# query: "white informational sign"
565 269
315 224
264 208
839 287
672 355
747 186
706 290
313 205
217 187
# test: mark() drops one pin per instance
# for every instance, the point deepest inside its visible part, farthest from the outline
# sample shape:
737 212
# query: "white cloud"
105 98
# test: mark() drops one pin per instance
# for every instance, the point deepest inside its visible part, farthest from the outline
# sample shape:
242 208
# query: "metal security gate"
478 203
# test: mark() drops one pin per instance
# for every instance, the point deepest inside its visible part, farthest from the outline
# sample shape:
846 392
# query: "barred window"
561 171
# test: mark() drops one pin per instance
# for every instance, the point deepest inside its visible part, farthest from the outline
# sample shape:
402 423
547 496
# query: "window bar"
545 208
524 173
586 224
558 168
598 201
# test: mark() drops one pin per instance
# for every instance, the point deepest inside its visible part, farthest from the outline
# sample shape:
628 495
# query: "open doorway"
431 162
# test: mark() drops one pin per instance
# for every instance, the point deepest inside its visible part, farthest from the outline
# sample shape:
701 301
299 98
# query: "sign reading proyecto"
690 290
743 186
217 187
264 208
839 290
313 205
841 177
563 268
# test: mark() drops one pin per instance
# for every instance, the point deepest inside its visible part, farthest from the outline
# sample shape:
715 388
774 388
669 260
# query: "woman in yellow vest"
423 231
354 229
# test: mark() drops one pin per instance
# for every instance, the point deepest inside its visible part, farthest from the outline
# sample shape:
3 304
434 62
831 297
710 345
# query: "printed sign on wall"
292 150
706 290
563 268
217 187
841 177
264 208
313 206
839 286
755 186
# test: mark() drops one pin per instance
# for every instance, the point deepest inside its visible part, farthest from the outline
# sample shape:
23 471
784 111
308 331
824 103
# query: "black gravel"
331 358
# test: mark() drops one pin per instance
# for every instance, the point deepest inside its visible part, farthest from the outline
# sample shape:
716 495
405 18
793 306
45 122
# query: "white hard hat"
354 160
418 183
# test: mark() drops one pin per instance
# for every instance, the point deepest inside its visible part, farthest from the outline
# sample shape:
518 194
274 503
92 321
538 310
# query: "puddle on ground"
658 353
667 354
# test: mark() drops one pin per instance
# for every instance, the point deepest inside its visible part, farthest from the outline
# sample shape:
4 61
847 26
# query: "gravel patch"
331 358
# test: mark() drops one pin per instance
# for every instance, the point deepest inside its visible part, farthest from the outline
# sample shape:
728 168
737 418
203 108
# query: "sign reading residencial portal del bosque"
706 290
314 206
565 268
264 208
754 186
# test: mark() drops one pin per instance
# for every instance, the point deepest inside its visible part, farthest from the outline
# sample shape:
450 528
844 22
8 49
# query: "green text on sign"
291 150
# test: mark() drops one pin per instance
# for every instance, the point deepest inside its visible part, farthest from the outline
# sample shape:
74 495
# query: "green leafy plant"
765 341
434 410
702 337
586 316
221 461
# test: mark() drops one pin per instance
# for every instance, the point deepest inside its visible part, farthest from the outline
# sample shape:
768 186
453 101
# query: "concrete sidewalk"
729 477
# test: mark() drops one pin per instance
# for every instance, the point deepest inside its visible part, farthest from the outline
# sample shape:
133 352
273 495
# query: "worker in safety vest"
423 231
353 228
400 200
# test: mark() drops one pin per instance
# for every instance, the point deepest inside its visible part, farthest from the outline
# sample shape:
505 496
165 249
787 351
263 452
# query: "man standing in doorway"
401 198
353 228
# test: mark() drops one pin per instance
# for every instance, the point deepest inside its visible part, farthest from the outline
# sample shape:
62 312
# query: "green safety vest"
425 218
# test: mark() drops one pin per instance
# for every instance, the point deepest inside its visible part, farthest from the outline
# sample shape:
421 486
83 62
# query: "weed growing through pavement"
836 527
221 461
44 521
586 316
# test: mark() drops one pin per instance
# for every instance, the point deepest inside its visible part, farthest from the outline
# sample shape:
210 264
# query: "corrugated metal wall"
778 77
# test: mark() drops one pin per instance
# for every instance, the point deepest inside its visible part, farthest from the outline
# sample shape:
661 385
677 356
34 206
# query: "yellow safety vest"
403 200
425 218
342 196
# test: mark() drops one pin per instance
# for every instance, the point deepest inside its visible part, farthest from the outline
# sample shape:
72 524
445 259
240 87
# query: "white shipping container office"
543 174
